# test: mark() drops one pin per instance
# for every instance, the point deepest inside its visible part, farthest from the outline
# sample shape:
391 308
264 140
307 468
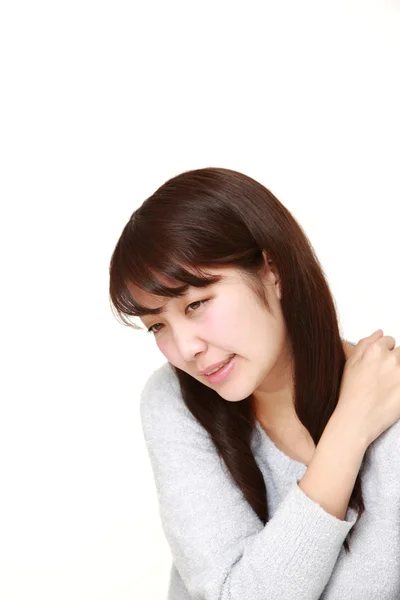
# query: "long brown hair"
216 217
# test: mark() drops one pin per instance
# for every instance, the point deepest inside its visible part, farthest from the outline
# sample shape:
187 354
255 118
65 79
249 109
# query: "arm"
219 545
332 472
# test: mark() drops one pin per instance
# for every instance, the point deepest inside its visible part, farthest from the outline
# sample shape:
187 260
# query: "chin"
234 396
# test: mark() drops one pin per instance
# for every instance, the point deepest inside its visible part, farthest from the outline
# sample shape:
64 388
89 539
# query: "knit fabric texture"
220 548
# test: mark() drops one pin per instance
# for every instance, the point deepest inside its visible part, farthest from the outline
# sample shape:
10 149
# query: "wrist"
347 432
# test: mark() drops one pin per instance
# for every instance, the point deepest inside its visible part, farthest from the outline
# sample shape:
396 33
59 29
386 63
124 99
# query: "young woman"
274 442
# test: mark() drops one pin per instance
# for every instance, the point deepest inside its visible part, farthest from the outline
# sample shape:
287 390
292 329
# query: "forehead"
145 298
152 301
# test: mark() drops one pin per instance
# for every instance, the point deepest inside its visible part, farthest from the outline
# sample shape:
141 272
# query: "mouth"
223 372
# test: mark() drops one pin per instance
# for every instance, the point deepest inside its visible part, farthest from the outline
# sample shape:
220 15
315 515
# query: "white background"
101 103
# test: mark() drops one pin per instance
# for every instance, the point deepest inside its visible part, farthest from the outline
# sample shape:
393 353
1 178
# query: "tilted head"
214 265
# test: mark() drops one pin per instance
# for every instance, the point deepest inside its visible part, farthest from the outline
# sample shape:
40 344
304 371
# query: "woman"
277 474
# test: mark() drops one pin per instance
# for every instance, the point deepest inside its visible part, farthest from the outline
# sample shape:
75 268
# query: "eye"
152 330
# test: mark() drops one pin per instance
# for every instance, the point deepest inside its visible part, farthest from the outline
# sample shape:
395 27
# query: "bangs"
148 279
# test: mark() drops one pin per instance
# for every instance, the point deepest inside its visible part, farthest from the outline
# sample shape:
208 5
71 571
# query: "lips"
215 365
221 374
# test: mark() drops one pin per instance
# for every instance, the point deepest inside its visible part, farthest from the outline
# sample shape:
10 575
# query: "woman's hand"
369 398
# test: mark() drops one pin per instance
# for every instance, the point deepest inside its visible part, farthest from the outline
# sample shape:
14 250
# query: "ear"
272 271
267 260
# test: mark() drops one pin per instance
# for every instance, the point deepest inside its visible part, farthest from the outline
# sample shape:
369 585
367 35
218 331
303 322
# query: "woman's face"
226 318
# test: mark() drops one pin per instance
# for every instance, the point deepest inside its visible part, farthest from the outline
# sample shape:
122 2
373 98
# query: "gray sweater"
222 551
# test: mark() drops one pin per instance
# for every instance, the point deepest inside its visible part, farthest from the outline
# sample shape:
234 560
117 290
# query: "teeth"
218 368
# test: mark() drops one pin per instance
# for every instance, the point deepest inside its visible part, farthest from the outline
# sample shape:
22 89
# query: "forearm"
332 472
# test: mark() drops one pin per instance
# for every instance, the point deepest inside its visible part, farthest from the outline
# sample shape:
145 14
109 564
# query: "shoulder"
163 411
162 387
386 449
390 438
162 379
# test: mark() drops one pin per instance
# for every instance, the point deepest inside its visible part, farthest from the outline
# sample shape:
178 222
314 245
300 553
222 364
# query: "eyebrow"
157 311
151 311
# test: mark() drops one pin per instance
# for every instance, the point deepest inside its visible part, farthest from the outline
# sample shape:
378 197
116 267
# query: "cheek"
165 347
219 324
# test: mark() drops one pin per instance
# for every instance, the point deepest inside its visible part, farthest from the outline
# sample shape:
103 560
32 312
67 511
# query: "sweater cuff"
300 498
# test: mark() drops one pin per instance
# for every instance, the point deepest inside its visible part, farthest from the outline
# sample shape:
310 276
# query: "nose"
189 343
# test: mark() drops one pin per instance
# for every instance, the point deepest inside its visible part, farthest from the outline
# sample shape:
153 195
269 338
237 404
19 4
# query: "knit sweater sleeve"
219 545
